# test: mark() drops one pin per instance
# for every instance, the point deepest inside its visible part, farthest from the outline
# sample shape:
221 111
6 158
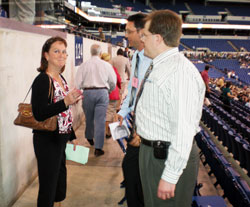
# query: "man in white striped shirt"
167 116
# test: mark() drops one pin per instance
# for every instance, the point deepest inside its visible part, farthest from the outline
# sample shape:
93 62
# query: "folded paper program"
80 155
118 131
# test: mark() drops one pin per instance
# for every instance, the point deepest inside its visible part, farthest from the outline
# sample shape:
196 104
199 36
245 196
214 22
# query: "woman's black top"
42 106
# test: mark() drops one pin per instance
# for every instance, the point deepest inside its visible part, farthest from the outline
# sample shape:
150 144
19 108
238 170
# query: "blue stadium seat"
247 155
234 188
229 141
235 148
205 201
241 156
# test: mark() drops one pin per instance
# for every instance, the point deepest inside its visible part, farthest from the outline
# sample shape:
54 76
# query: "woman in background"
50 97
113 98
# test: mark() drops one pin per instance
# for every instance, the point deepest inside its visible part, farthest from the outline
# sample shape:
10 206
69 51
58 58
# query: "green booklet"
80 155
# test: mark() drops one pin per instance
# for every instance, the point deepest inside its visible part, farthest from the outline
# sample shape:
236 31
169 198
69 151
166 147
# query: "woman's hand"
73 97
74 142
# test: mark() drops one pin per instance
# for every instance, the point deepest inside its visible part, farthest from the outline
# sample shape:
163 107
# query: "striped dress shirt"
170 108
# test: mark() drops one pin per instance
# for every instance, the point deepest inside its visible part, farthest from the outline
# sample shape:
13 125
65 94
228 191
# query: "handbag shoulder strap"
27 94
51 90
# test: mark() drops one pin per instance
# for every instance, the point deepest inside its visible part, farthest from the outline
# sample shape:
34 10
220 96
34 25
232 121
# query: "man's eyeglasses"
127 31
145 35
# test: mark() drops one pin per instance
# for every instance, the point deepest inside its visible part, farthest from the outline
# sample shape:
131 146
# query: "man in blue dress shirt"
140 63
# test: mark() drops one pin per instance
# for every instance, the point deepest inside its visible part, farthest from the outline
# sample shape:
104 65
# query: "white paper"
117 131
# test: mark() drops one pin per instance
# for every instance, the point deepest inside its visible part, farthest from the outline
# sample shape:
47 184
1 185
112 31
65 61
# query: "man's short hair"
120 51
228 84
167 24
138 19
95 50
207 67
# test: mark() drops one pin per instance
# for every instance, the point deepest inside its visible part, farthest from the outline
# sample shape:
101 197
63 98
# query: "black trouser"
207 94
132 180
227 105
52 173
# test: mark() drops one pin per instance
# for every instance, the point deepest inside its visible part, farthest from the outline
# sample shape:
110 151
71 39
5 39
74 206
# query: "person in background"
205 77
221 82
248 103
50 146
140 63
101 34
113 98
167 115
3 13
97 78
124 43
226 97
22 11
122 65
126 52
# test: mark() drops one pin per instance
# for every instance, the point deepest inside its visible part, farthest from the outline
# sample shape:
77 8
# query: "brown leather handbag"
25 116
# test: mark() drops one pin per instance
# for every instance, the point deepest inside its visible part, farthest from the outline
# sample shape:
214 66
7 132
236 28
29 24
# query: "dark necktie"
149 70
133 90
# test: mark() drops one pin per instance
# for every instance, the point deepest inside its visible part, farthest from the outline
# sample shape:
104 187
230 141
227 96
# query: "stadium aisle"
98 182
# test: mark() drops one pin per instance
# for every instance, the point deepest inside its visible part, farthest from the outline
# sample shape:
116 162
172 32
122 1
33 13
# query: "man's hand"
136 141
165 190
118 118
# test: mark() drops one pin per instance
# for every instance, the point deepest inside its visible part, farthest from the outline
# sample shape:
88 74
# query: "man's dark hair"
207 67
138 19
120 51
228 84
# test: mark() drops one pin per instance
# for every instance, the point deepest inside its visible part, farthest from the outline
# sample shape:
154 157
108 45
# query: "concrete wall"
20 53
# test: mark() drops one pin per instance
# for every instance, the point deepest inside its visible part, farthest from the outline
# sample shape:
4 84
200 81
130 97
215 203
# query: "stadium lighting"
199 26
216 26
100 19
52 26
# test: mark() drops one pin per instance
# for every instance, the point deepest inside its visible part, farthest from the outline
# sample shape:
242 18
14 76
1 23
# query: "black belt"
153 143
95 88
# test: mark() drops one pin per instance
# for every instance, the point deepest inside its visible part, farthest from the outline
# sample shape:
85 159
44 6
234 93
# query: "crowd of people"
165 95
239 93
226 89
210 56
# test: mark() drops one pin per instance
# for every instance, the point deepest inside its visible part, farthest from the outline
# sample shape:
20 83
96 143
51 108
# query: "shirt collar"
96 57
160 58
141 54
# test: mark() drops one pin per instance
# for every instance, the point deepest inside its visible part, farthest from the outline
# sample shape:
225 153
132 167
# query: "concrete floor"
97 184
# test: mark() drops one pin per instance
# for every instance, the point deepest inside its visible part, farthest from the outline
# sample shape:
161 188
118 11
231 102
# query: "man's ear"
159 38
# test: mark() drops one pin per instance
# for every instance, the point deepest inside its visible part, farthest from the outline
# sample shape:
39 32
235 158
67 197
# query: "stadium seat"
241 155
206 201
229 141
247 156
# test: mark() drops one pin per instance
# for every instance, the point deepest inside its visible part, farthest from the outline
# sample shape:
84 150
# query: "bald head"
95 50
